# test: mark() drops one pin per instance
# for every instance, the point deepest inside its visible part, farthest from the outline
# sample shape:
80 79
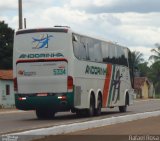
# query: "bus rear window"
42 30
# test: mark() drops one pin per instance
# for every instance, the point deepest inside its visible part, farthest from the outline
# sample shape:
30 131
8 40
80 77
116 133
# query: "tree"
144 69
6 46
137 58
155 68
156 51
154 75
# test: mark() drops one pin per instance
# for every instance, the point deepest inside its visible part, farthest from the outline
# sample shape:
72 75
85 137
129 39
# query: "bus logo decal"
26 73
95 70
41 42
42 55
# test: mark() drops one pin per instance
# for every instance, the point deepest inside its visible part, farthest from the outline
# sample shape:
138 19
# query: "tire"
45 114
99 107
123 109
80 113
73 110
90 112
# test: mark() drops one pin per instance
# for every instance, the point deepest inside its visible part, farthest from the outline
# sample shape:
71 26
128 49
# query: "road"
21 121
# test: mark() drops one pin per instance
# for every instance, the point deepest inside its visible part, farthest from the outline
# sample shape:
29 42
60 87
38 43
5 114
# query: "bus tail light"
22 98
70 83
62 97
15 84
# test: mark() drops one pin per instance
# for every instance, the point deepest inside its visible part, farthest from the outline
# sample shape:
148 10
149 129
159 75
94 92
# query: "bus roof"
51 29
64 29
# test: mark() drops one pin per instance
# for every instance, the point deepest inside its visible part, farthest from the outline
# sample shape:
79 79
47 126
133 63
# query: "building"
144 88
6 89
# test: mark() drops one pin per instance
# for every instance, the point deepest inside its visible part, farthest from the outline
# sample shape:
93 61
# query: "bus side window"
83 50
76 46
98 52
74 38
119 55
79 48
91 53
104 52
111 53
126 56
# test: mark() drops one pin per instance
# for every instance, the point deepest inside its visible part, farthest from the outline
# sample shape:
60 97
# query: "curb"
11 112
63 129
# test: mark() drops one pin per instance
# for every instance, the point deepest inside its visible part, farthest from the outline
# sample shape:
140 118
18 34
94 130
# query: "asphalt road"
21 121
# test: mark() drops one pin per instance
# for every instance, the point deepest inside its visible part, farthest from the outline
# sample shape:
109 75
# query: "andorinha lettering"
96 70
42 55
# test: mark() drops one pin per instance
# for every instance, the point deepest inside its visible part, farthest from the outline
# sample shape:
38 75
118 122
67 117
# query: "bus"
56 69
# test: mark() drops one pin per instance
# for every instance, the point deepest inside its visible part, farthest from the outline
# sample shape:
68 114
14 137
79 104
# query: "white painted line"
12 112
145 100
63 129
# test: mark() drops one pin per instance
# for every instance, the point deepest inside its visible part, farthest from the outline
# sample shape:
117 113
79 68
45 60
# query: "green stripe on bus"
111 85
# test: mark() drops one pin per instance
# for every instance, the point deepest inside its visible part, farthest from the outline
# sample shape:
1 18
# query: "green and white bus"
57 69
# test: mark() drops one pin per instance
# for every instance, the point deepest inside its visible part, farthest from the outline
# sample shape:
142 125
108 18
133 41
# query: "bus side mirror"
74 38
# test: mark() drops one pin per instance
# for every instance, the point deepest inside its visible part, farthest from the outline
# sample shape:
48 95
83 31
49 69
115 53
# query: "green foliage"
157 95
137 58
156 55
6 46
154 75
152 72
144 69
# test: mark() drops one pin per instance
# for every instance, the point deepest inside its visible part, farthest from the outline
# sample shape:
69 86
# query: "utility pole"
20 14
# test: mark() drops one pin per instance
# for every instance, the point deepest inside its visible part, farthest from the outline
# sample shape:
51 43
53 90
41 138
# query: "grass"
157 95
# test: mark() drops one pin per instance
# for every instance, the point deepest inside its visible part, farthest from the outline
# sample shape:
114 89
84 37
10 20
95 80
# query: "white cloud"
37 4
56 16
90 3
101 3
145 51
79 3
8 4
136 30
139 29
139 35
129 29
3 18
12 22
115 6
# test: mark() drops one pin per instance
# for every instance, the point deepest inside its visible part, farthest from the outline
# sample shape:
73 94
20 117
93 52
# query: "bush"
157 95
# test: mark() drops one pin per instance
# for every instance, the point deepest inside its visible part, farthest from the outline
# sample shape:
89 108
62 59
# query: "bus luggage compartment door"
42 77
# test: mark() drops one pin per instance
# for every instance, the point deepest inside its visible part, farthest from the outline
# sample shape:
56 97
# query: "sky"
131 23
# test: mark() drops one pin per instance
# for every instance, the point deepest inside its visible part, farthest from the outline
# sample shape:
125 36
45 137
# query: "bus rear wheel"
45 114
90 112
99 107
123 109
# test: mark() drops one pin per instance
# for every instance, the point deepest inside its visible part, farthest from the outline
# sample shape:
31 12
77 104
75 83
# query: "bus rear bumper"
57 102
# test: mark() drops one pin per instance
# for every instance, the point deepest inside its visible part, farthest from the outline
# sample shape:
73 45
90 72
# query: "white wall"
6 100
